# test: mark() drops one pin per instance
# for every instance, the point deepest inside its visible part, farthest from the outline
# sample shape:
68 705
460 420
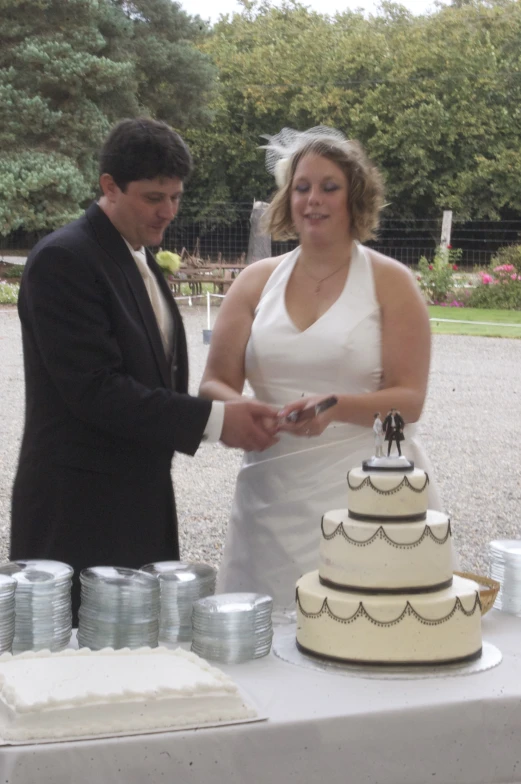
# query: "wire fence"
406 241
213 240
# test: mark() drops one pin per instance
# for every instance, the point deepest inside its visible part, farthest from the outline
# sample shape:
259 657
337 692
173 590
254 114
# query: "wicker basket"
488 589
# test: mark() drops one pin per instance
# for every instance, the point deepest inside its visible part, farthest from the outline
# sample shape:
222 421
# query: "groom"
106 373
393 426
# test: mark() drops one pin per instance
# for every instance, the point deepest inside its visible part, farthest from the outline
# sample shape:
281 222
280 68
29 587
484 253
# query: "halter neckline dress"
281 493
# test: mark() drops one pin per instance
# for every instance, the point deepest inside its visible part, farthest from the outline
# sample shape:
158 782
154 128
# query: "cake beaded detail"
408 611
367 482
381 534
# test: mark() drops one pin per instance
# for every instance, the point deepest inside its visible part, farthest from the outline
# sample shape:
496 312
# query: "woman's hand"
308 418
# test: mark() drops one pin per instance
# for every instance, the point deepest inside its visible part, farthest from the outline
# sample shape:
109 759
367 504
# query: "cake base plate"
285 648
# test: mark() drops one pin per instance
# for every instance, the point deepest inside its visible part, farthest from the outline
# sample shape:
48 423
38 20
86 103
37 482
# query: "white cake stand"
285 648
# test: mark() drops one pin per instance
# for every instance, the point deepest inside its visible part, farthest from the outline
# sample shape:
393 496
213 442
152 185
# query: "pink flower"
504 268
486 278
430 266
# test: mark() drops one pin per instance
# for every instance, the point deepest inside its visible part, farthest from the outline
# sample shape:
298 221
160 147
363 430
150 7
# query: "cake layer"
387 494
47 695
378 556
434 628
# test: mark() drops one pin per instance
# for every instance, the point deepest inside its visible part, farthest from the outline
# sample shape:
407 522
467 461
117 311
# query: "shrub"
436 277
8 293
510 254
14 272
499 287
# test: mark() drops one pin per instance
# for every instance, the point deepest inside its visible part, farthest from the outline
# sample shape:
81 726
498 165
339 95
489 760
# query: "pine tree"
175 79
69 69
60 90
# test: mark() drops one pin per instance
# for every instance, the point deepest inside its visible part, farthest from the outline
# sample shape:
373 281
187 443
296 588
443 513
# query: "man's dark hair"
142 149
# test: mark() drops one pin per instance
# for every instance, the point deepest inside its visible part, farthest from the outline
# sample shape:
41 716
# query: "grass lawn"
510 318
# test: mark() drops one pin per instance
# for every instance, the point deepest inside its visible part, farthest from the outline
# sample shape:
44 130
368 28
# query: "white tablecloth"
323 728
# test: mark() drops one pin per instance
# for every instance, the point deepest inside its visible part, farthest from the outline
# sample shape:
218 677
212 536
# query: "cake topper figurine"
390 430
393 426
378 435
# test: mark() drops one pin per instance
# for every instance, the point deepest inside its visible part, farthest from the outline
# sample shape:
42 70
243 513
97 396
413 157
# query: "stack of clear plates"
7 591
181 585
43 617
505 566
232 627
119 608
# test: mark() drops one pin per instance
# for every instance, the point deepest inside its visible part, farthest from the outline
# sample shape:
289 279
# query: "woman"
329 318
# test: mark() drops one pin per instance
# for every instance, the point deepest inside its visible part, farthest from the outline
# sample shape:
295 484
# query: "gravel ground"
471 427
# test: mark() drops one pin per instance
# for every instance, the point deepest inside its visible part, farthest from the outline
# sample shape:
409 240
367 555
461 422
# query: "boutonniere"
168 261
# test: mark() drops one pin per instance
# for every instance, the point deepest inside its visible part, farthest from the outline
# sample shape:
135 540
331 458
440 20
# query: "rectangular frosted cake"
46 696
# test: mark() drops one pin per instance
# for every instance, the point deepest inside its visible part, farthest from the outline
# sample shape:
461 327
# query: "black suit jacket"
393 433
105 410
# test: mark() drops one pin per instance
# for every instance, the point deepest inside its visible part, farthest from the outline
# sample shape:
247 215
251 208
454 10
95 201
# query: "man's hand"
249 425
307 421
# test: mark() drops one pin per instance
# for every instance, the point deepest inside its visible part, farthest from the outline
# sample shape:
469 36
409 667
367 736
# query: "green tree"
69 69
59 93
267 67
435 100
448 130
175 79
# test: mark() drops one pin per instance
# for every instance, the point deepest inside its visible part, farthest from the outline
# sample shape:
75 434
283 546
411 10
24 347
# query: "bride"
331 317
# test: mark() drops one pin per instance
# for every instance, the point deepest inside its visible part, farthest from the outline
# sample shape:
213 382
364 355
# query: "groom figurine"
393 426
106 373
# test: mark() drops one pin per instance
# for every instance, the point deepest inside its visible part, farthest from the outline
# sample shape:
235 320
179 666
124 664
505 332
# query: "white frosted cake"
46 696
376 555
388 494
384 592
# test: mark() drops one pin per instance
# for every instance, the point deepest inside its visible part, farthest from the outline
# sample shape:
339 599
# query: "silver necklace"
319 281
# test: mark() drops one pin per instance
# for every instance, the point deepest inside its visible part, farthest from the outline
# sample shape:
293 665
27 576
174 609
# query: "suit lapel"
114 246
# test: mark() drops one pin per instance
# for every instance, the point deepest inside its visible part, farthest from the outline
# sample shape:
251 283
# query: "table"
323 728
221 276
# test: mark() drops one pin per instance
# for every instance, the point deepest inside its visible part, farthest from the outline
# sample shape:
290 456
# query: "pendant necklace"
319 281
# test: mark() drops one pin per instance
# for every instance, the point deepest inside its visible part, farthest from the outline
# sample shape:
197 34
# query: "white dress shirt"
165 323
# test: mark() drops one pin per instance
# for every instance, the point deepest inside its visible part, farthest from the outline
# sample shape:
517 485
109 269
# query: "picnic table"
220 276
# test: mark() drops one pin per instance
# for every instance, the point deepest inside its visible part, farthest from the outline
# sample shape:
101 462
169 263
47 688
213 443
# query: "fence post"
207 333
259 245
446 226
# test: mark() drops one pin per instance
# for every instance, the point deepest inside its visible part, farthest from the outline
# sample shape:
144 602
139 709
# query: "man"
106 373
393 428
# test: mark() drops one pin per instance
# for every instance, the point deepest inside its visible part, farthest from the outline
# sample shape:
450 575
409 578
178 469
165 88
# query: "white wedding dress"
282 493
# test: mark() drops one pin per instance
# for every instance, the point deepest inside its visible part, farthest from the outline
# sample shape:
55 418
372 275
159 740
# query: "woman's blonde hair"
365 192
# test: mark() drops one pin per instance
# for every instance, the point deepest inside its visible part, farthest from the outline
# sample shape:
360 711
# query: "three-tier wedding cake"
384 592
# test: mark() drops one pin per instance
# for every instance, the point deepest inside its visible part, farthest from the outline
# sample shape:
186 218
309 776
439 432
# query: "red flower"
454 267
449 247
430 266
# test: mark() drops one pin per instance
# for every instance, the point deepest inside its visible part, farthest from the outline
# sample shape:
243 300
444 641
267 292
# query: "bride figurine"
378 436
